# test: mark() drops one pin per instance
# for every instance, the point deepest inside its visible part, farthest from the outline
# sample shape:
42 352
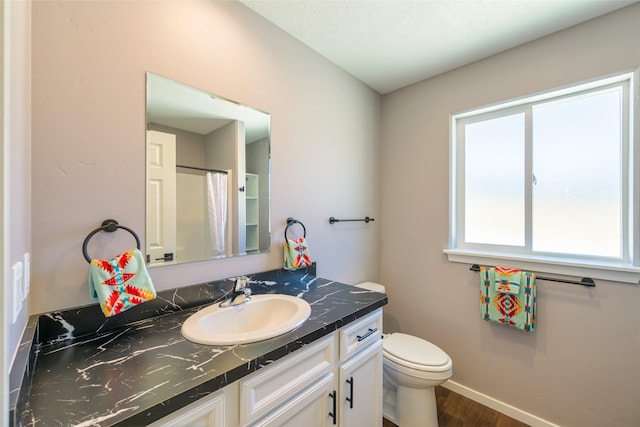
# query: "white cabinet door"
314 407
209 412
360 390
275 386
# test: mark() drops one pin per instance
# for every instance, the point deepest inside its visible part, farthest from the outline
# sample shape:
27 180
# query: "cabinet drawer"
360 334
264 390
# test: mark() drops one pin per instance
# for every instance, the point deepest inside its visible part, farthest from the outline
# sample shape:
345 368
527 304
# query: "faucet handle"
241 283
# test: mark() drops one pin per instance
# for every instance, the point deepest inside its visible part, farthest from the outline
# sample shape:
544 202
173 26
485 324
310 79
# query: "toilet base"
409 406
389 400
416 407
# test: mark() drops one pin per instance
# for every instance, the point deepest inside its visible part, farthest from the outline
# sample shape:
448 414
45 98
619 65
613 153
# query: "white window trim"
550 265
595 269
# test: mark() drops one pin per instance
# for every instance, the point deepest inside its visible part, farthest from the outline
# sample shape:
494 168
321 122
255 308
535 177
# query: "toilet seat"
415 353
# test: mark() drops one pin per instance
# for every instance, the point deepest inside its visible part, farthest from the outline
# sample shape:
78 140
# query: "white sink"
265 316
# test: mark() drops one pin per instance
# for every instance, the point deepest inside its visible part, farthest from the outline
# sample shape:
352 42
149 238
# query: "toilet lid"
414 350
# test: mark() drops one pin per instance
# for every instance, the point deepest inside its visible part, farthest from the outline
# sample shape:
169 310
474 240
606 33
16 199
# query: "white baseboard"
497 405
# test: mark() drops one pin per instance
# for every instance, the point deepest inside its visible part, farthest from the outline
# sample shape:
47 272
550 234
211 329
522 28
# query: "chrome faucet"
239 289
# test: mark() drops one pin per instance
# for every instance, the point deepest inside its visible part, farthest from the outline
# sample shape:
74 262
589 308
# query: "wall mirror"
207 175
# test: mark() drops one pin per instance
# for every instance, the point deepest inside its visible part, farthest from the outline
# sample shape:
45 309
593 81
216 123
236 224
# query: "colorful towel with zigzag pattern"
513 309
296 254
121 282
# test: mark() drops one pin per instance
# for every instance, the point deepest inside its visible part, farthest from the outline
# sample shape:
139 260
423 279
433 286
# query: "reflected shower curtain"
217 207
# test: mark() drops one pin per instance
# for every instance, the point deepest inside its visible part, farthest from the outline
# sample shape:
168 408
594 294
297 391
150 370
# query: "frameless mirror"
207 175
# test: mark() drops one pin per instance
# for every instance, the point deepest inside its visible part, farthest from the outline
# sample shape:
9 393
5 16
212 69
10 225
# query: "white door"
161 197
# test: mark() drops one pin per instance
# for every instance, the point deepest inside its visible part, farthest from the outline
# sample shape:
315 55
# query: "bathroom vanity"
137 368
336 380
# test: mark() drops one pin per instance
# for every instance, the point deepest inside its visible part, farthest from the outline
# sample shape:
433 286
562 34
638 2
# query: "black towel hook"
108 225
290 222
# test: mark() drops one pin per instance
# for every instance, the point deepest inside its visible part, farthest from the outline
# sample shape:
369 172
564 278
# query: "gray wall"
89 62
581 366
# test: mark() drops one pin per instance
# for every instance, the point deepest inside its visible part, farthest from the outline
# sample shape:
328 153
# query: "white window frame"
627 268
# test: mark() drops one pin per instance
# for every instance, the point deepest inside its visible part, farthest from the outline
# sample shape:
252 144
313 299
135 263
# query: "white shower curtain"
217 207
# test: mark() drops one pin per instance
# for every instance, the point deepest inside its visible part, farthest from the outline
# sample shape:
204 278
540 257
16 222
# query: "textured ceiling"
389 44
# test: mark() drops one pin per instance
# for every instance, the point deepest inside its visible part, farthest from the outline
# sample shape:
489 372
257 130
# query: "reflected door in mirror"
161 197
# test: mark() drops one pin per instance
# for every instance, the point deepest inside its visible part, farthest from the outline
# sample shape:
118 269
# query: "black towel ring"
290 222
108 225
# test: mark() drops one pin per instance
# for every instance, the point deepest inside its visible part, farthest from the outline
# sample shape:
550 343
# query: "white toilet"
412 367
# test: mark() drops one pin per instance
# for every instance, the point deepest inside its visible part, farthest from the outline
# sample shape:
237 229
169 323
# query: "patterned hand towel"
121 282
517 310
296 254
507 280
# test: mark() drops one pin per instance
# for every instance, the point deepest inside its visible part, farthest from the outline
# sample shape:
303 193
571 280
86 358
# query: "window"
547 182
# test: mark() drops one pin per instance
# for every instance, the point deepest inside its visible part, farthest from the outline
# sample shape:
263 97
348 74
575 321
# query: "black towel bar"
366 219
586 281
108 225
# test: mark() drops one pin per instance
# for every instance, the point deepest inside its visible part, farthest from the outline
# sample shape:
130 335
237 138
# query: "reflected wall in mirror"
207 175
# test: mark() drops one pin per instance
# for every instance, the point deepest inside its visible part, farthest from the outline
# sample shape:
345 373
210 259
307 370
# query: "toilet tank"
376 287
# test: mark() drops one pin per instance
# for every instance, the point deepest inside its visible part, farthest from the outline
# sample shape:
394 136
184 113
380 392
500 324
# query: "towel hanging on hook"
121 282
296 251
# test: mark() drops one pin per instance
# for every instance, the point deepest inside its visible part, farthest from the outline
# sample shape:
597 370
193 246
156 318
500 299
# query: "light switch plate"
17 289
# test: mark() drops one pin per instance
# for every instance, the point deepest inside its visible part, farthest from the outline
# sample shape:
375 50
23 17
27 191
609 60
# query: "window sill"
595 270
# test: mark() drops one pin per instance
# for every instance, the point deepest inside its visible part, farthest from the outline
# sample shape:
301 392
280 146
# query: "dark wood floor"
455 410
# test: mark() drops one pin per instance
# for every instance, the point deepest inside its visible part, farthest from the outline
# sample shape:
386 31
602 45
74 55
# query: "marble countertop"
84 370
